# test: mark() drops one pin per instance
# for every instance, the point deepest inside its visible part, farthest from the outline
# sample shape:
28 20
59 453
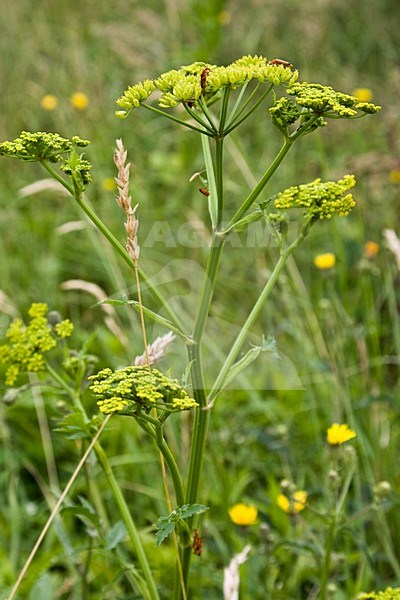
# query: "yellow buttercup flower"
243 514
79 100
292 505
49 102
363 94
394 176
339 434
371 249
224 17
325 261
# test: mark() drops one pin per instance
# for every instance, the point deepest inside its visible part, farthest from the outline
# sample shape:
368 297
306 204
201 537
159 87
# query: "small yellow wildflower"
339 434
243 514
49 102
362 94
292 505
371 249
79 100
108 184
64 329
394 176
325 261
224 17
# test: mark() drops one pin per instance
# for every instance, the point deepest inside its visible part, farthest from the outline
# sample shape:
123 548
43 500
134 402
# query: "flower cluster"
191 82
313 103
28 344
293 504
78 169
135 389
51 147
323 99
40 146
320 199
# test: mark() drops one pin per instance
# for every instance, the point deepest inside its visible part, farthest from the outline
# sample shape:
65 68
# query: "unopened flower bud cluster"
28 344
321 200
136 388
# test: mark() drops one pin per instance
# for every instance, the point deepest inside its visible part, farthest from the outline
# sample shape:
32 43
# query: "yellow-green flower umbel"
200 80
28 344
320 200
136 389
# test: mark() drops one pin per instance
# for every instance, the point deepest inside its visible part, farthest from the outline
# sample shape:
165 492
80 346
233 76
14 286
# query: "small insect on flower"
204 191
203 78
280 61
243 514
338 434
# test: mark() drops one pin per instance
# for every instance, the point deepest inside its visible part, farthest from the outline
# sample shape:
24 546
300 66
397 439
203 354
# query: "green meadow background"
338 331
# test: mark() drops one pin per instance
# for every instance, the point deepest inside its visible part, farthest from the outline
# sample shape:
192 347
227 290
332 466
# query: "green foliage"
166 525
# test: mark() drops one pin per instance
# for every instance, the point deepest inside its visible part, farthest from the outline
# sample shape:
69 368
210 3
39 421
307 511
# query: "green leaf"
164 531
166 525
44 588
116 535
74 426
152 315
188 510
251 218
268 345
86 516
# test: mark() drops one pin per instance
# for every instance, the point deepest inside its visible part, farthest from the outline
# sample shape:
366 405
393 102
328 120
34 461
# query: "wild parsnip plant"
211 102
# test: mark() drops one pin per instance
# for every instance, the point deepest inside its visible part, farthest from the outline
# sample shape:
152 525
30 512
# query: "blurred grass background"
340 331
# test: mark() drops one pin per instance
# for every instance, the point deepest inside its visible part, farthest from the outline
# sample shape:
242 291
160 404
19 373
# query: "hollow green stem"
219 153
174 471
205 131
328 553
155 430
224 109
202 416
67 388
207 127
251 198
237 121
258 306
150 590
